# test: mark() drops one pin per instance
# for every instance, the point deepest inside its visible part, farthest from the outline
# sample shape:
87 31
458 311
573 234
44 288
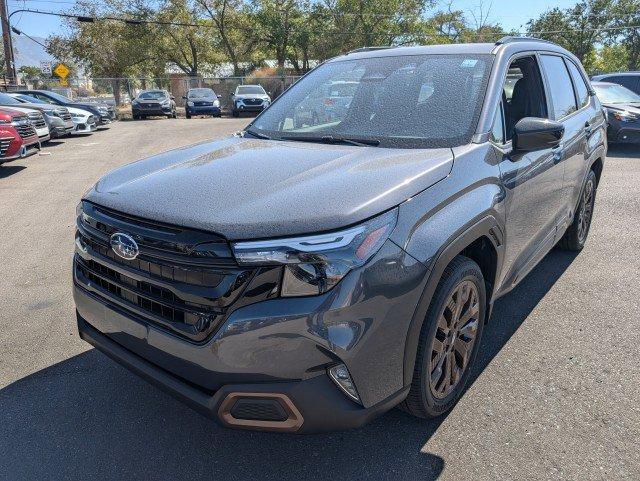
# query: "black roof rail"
368 49
509 39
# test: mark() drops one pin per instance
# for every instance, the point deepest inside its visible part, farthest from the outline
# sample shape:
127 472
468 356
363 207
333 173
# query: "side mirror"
219 96
533 133
173 97
184 97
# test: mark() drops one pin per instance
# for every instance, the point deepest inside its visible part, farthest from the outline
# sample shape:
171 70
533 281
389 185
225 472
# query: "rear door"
575 117
589 119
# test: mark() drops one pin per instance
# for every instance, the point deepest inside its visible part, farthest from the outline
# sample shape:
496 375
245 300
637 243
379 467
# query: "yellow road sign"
61 70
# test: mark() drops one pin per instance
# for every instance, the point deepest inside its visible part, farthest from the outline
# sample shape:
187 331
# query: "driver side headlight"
314 264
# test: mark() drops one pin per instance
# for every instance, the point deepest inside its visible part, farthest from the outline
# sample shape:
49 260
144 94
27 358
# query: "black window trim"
500 110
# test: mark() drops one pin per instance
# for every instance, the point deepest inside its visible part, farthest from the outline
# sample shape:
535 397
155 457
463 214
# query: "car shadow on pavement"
9 170
88 418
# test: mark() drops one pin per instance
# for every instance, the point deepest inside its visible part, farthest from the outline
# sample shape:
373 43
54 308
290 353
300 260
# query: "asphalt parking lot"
555 395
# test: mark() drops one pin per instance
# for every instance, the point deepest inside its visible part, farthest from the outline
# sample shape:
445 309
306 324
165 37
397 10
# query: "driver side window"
523 94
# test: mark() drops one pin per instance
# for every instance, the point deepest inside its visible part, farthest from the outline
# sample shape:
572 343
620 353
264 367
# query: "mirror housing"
173 97
534 133
184 97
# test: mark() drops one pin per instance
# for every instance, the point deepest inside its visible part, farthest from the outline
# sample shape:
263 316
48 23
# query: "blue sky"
510 13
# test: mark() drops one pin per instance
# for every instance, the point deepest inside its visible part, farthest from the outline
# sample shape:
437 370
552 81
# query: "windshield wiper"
257 135
330 139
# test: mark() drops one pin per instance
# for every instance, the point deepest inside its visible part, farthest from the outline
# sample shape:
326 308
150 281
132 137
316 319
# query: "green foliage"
299 33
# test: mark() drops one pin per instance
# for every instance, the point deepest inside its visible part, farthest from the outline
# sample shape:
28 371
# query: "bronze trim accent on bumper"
291 424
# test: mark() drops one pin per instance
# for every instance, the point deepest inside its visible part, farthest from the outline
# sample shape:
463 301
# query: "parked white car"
84 122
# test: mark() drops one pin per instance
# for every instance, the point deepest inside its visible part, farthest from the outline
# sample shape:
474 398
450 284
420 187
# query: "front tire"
576 235
449 340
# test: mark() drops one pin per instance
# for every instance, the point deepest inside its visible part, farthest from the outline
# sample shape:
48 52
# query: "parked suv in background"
153 103
58 119
202 101
18 137
310 277
249 98
623 111
104 113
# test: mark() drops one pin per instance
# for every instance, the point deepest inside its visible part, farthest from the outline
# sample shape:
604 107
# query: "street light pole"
7 43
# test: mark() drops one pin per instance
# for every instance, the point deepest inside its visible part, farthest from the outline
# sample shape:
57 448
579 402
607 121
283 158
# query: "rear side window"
560 87
581 87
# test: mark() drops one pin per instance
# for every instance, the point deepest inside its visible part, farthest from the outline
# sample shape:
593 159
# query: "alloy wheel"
586 211
454 339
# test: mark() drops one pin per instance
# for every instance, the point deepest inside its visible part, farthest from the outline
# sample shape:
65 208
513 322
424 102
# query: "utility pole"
8 45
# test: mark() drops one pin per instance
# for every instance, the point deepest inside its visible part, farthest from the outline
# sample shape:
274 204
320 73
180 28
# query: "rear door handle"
587 128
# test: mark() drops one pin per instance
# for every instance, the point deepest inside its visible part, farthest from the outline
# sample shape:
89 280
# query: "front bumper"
281 346
318 404
84 128
249 108
624 133
203 110
152 111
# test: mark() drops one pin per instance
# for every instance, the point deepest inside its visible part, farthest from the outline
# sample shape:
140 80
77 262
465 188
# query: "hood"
40 107
634 108
90 107
249 188
77 111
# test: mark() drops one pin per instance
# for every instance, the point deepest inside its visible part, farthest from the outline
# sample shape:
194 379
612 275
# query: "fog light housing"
340 375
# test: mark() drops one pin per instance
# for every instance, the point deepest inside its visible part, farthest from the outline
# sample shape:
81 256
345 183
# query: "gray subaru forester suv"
311 273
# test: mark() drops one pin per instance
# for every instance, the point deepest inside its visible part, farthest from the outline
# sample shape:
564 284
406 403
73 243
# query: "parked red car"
18 137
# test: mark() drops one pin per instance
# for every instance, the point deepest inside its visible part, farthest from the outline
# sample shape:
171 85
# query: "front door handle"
557 154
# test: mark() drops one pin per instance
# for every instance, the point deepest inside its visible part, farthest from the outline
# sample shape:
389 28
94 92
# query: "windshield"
200 93
615 94
8 100
154 95
408 101
250 89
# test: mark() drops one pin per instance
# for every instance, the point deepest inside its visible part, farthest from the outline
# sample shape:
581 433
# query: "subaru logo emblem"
124 246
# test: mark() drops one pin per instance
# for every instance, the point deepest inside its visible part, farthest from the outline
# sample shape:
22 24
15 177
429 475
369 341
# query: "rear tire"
576 235
235 114
187 115
449 340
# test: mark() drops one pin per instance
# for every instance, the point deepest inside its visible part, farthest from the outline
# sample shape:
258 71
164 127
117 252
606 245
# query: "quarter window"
581 88
497 130
560 87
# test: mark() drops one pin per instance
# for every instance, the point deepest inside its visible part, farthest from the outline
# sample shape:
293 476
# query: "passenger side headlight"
314 264
190 103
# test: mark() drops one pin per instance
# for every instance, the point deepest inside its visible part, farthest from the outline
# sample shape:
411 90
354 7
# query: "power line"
142 21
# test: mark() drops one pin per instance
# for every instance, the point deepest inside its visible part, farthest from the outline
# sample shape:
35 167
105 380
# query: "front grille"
252 101
37 120
64 115
151 105
4 145
184 281
203 104
24 127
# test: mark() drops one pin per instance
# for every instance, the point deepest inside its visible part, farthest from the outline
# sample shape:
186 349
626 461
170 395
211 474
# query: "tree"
578 28
277 21
188 48
106 48
625 13
234 29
